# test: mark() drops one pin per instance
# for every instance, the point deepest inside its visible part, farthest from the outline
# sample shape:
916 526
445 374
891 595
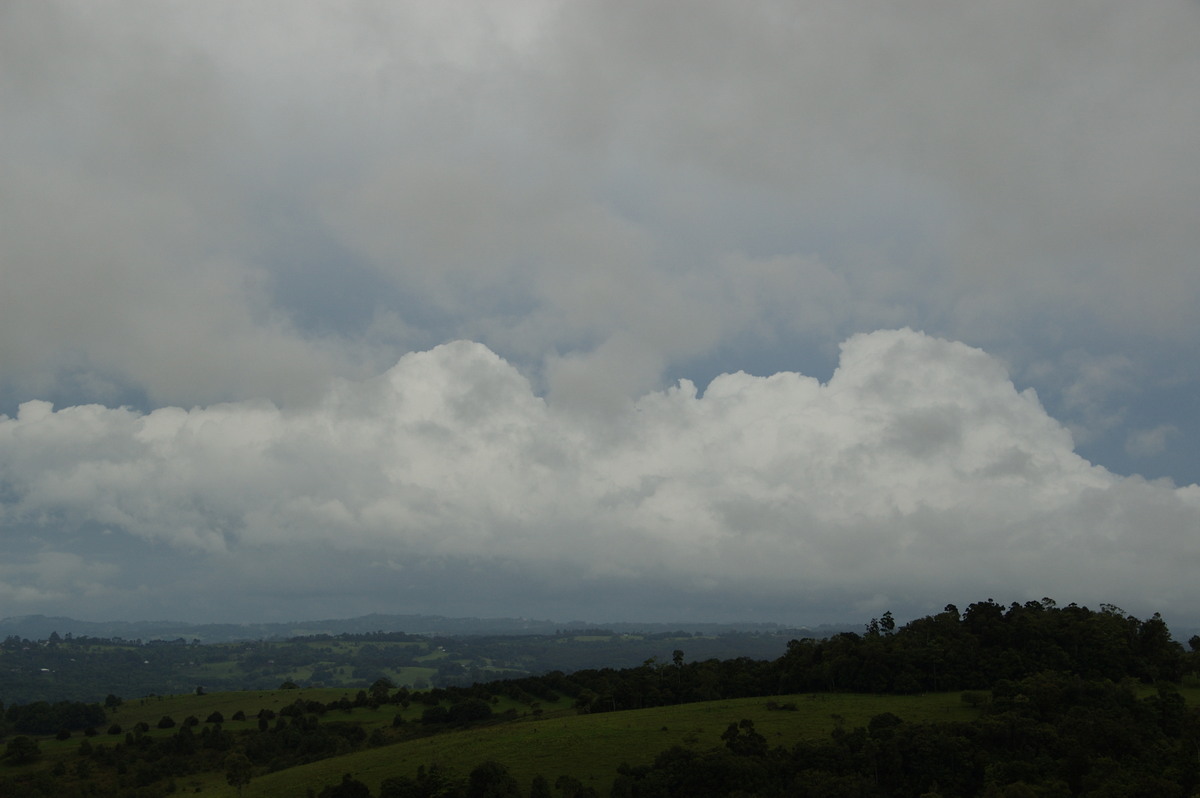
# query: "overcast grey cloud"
332 308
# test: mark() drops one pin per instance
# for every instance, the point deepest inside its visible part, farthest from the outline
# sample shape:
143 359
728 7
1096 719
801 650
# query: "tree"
380 688
470 710
743 740
540 788
569 786
492 780
238 770
431 782
349 788
22 750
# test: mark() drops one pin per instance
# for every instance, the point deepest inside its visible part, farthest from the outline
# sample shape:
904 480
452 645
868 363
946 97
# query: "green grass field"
591 747
558 742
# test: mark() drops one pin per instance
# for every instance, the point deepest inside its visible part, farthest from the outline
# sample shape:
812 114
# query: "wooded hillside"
1046 700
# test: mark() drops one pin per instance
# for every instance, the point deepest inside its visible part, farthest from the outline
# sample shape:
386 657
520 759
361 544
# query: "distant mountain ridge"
40 627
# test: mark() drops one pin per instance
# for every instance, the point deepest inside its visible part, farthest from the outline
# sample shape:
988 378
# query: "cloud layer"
277 214
225 201
916 474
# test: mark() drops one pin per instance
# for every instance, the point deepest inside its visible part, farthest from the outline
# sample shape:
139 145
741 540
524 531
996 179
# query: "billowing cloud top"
916 474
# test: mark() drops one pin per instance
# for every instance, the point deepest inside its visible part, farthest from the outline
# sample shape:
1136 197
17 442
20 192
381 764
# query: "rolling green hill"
990 702
591 747
558 742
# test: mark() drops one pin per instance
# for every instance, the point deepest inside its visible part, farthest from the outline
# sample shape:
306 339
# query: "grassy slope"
587 747
590 747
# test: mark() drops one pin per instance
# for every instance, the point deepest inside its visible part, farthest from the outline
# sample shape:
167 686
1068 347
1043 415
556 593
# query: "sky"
774 311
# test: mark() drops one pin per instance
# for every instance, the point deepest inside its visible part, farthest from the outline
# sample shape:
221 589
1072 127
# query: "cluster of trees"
42 717
951 650
1047 735
985 643
487 780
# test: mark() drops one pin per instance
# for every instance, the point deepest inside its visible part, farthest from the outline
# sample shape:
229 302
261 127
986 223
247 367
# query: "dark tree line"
952 650
986 642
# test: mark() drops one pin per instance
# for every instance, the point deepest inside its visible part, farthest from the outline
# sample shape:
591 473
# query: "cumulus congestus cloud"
916 474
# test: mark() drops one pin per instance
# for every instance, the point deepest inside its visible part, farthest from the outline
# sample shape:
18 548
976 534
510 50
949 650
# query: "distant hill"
40 627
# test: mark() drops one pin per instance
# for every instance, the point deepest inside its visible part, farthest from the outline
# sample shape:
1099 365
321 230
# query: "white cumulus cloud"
917 473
